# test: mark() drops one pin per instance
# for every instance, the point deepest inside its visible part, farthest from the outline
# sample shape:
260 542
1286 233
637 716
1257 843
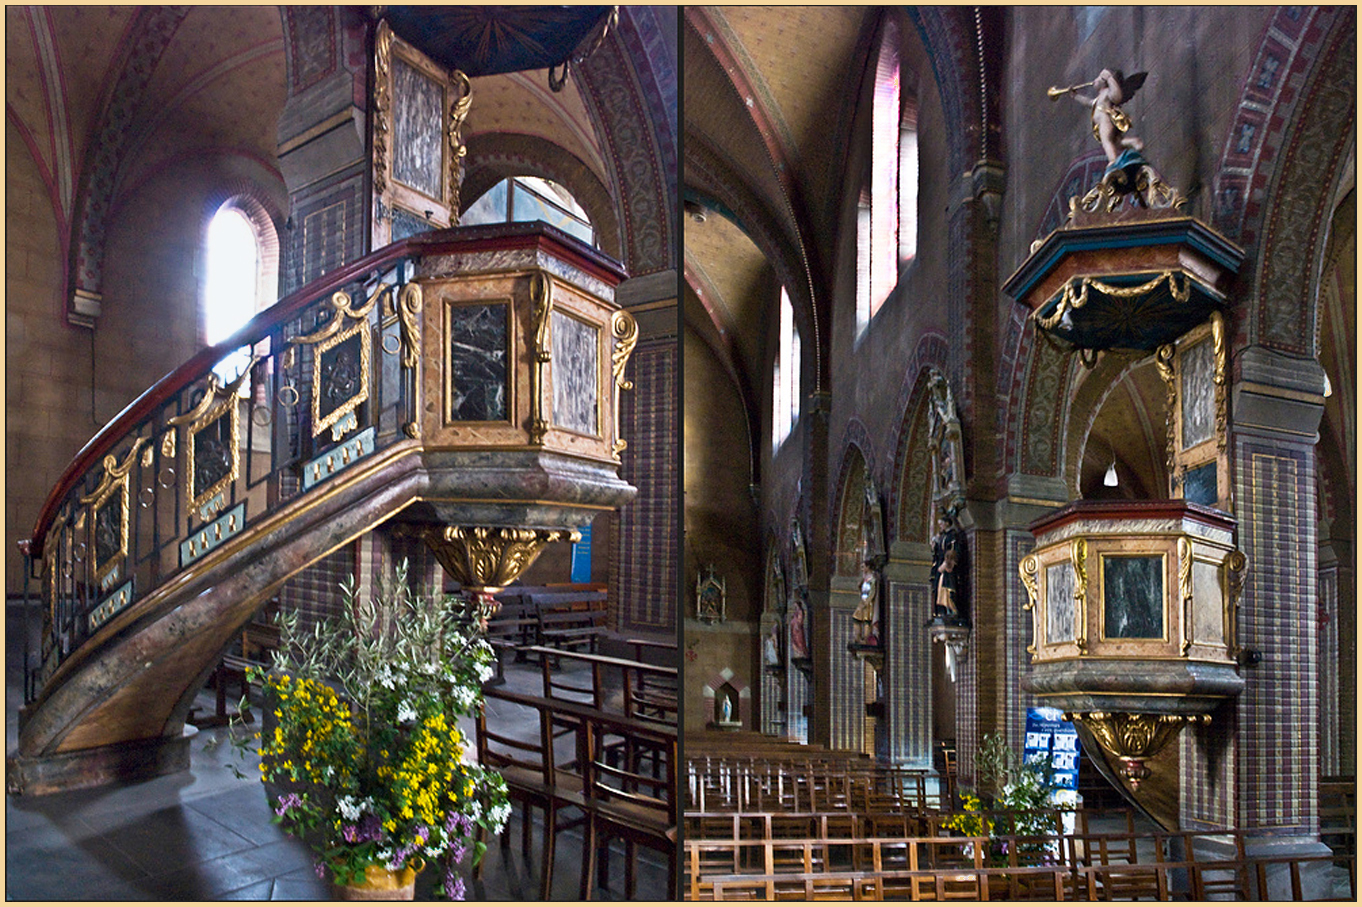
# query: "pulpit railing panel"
321 380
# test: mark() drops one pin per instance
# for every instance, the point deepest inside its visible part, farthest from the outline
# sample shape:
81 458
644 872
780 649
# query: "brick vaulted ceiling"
766 114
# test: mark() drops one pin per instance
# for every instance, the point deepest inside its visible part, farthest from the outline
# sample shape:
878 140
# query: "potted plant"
361 752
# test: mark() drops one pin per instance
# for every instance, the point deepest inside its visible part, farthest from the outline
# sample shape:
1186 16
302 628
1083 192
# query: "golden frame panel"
447 376
1166 619
455 99
352 403
1182 457
602 355
113 482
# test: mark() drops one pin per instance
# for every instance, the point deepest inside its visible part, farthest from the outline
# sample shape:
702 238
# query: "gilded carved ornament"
1185 590
490 557
1075 294
383 44
541 296
110 550
458 112
407 306
1079 558
217 402
1236 573
1133 737
1029 569
1163 361
625 329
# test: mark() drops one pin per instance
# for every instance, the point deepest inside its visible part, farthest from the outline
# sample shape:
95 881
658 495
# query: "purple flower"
319 868
370 829
287 802
457 892
457 851
350 833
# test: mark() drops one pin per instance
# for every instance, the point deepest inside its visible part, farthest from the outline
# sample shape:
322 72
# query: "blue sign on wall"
1049 738
581 557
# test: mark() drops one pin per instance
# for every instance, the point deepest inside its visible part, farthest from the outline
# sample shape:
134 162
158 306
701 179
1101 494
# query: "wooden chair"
637 808
533 780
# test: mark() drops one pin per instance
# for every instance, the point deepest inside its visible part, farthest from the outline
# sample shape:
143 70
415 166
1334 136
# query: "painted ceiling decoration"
489 40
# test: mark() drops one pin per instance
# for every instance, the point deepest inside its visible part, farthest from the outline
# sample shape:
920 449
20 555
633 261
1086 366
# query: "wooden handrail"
461 239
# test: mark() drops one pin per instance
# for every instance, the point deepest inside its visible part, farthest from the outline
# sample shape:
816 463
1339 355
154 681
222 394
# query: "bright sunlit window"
785 376
240 275
877 226
229 292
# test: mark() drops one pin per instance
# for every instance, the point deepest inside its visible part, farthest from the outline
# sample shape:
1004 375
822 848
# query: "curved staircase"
463 383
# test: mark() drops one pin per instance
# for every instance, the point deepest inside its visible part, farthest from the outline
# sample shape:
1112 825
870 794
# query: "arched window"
785 376
908 179
877 224
241 273
529 198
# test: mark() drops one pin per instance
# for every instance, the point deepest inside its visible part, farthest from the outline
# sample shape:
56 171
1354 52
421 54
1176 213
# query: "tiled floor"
205 834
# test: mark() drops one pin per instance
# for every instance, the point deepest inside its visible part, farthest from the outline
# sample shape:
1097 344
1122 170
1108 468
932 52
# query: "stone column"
1276 408
908 654
819 534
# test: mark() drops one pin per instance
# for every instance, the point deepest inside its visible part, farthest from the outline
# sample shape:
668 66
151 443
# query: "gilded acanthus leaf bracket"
407 306
1029 570
1080 563
541 296
625 329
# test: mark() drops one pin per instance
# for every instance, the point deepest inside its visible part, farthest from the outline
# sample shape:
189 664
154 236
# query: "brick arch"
495 156
147 38
849 503
626 111
909 487
1280 166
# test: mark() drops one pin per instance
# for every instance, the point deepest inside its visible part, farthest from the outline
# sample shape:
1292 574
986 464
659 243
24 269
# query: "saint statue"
867 613
771 647
947 563
799 643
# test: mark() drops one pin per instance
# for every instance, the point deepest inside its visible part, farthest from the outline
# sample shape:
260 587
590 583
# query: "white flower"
405 712
348 807
384 677
499 814
485 673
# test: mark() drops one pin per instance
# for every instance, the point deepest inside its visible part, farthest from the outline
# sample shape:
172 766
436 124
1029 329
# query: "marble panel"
418 120
1198 394
478 362
407 224
1199 485
1133 597
575 374
1059 603
1208 621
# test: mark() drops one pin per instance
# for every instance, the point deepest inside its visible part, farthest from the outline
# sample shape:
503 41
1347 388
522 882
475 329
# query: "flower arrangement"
1024 796
365 744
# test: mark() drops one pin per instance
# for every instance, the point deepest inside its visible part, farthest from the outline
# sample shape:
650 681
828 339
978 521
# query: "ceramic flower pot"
382 884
